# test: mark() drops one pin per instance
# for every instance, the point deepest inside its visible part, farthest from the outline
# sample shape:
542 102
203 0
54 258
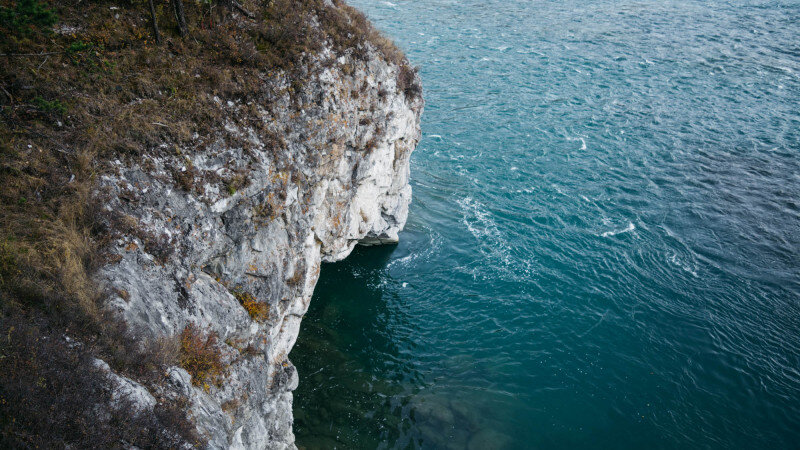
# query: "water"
604 244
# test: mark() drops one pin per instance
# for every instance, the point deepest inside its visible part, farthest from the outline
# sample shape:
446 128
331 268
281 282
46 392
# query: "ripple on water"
604 244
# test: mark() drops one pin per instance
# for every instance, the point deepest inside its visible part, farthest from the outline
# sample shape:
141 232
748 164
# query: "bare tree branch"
241 9
32 54
233 4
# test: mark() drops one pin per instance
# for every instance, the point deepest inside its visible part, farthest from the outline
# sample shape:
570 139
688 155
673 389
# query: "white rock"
332 184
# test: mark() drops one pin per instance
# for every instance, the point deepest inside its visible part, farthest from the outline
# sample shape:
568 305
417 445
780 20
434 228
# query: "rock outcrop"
230 238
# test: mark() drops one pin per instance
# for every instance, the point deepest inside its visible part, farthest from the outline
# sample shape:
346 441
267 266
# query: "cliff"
206 236
339 176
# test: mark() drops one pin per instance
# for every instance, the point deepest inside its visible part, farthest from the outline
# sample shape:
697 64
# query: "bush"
407 81
78 46
50 107
201 357
259 311
53 396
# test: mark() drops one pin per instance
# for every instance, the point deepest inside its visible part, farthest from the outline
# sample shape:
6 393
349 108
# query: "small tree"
177 5
26 16
155 22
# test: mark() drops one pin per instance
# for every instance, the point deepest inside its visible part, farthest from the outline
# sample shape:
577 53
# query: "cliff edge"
196 192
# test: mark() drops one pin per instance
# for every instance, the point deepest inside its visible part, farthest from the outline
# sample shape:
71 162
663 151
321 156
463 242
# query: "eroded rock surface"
325 166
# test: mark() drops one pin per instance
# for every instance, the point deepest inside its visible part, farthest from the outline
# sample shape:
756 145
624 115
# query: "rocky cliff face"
230 238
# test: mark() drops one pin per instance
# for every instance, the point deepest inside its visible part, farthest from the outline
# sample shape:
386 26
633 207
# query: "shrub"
407 81
50 107
53 396
237 182
26 16
259 311
186 178
78 46
201 357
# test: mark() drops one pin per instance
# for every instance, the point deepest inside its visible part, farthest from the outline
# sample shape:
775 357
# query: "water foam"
627 229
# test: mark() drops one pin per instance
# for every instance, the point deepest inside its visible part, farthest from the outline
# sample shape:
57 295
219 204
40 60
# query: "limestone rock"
337 175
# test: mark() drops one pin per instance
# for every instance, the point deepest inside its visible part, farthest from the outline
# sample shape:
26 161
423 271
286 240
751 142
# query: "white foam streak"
583 142
627 229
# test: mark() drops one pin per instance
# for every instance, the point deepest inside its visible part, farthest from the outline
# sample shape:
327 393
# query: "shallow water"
604 244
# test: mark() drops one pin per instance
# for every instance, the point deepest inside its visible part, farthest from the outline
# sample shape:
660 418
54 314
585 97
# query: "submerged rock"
488 439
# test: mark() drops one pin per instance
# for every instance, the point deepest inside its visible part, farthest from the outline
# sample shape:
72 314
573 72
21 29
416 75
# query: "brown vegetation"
201 357
258 311
50 391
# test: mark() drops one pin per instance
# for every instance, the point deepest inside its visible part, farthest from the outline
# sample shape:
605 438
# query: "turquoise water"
603 248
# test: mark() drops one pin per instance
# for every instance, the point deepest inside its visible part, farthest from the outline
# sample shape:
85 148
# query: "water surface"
603 248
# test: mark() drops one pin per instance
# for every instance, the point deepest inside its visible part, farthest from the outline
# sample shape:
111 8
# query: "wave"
583 142
627 229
